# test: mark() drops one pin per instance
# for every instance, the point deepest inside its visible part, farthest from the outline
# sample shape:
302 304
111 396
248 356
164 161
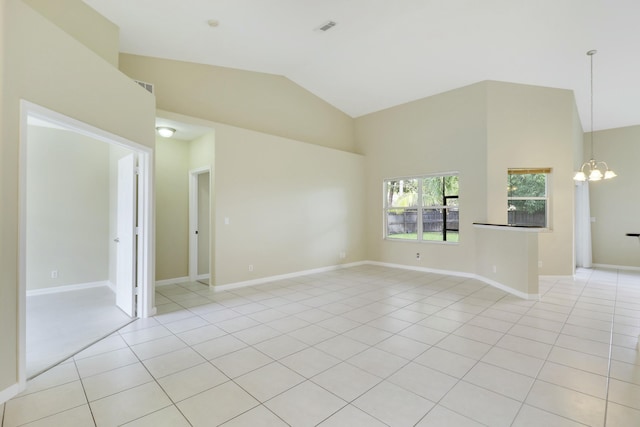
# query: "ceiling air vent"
145 85
327 26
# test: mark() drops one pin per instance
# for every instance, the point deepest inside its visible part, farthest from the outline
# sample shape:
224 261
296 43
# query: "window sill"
434 242
525 228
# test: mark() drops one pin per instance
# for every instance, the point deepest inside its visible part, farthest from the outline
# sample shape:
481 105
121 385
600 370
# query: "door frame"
193 222
145 259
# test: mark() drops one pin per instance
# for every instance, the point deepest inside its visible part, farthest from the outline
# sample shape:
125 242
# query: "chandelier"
593 170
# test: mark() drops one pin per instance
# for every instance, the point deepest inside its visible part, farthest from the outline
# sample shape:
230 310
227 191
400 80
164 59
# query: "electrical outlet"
539 264
342 255
250 267
494 269
54 274
418 255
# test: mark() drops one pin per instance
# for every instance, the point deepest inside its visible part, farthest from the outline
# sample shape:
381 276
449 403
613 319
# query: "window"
422 208
527 201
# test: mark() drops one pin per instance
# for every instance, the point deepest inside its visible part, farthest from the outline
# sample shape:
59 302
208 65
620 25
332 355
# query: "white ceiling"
383 53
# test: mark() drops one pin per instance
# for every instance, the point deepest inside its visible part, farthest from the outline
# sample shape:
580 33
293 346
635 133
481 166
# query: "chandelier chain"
593 170
591 53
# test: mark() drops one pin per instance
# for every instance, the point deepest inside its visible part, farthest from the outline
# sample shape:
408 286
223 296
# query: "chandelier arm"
583 165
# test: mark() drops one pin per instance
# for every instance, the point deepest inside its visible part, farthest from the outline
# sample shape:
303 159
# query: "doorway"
199 225
68 238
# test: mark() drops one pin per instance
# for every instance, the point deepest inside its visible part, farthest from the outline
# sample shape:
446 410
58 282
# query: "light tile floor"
61 324
365 346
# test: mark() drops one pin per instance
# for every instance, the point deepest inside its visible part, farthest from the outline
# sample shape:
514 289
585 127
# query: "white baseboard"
493 283
68 288
166 282
112 286
11 391
423 269
617 267
557 276
268 279
263 280
508 289
203 277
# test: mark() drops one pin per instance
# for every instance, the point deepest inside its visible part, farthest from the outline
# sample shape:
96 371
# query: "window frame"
420 209
547 172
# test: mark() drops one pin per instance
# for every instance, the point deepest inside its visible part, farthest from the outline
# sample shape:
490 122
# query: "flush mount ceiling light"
165 132
593 170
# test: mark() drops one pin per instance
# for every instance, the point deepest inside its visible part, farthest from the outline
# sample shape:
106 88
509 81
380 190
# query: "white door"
199 220
126 239
203 225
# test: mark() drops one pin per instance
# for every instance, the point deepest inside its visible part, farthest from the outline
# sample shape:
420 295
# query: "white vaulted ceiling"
383 53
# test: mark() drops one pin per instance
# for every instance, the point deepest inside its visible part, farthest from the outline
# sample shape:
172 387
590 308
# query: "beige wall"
480 131
291 206
83 23
8 239
615 203
67 208
174 159
531 126
172 208
8 234
509 256
202 155
443 133
262 102
202 151
46 66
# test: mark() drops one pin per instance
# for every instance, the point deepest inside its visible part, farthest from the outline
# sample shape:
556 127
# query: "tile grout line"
248 345
157 383
449 333
84 390
523 403
461 379
346 361
613 319
370 346
370 292
414 323
492 346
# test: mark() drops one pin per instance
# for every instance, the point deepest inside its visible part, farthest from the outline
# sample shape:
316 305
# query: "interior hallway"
370 346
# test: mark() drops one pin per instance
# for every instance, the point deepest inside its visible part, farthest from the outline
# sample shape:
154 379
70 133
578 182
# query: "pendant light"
593 170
